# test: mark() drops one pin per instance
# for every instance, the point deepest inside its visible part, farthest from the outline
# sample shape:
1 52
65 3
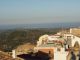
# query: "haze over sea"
42 25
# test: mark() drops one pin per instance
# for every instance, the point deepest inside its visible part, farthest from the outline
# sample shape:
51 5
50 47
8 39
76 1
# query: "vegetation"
10 39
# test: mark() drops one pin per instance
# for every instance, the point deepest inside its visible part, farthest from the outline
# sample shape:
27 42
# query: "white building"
71 39
42 40
60 55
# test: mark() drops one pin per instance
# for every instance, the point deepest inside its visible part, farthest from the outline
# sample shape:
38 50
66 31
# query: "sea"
41 25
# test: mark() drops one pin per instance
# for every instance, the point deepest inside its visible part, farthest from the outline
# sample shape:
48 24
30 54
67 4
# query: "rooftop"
50 45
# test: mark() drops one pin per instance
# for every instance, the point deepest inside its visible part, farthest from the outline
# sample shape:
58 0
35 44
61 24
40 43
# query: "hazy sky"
39 11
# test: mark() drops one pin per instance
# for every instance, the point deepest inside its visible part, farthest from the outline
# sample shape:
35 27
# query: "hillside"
10 39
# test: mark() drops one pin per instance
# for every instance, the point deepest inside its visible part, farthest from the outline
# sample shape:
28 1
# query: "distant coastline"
41 25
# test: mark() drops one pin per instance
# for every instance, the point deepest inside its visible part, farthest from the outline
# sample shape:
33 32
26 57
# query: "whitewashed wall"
60 55
75 39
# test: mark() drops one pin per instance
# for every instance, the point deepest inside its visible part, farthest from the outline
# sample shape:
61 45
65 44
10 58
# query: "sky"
39 11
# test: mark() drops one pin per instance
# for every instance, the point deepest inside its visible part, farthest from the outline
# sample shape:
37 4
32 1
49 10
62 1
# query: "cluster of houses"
60 45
